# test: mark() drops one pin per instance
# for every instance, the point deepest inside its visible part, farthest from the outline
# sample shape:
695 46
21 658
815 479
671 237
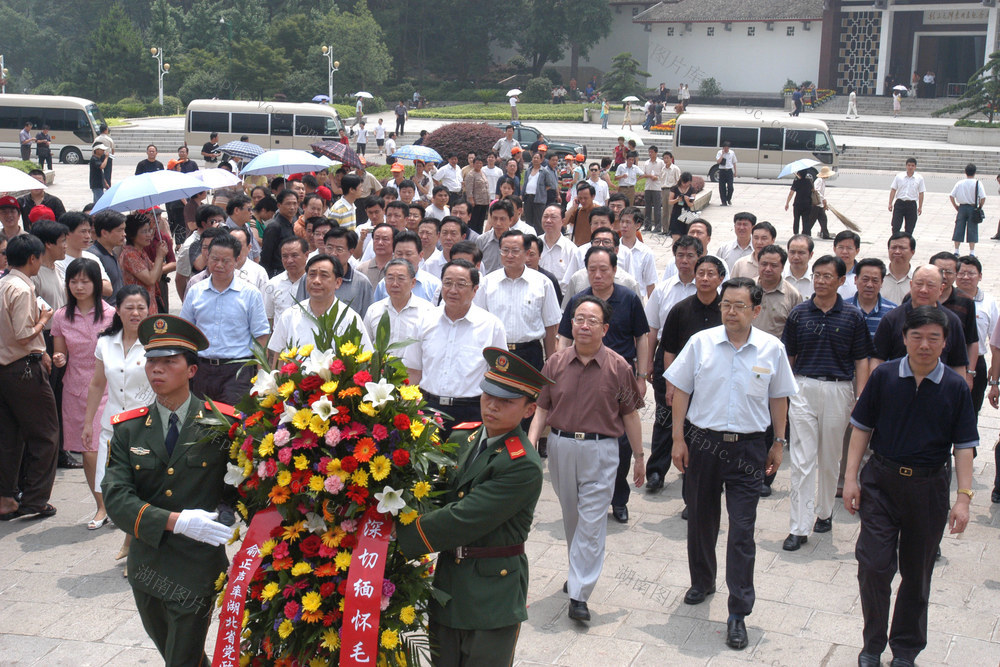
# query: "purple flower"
388 588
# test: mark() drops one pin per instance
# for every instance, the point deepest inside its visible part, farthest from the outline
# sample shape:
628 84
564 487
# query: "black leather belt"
826 378
452 400
218 362
488 552
906 471
582 435
732 437
524 346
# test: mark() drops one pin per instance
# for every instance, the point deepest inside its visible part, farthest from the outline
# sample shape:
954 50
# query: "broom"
843 218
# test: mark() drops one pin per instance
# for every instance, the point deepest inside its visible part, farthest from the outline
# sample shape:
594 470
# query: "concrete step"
926 131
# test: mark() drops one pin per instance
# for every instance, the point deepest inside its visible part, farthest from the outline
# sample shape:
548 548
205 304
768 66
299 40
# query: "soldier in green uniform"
163 484
481 528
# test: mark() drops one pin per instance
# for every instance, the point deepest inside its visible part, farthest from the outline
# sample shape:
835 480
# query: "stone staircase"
888 129
134 139
889 157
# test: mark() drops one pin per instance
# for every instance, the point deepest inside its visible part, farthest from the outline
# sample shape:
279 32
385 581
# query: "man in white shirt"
439 203
896 285
447 358
403 306
296 328
279 295
450 176
797 272
390 143
967 195
557 250
726 159
601 192
763 235
407 246
642 262
429 231
504 145
252 272
655 171
362 141
450 231
669 180
846 246
687 250
380 137
492 172
906 197
77 245
732 252
524 300
627 175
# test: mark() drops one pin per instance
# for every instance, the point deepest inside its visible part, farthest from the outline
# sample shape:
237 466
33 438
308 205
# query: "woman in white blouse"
121 369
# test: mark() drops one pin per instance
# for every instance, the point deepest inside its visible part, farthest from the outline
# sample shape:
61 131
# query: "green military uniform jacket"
489 502
143 485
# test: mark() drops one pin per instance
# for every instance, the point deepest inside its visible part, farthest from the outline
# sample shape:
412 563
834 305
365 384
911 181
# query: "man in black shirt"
278 229
961 305
150 163
210 151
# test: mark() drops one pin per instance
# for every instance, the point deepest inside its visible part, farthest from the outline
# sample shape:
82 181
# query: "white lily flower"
266 384
315 523
379 393
323 408
318 363
234 475
288 414
390 500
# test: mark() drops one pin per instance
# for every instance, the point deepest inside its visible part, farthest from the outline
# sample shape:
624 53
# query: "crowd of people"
497 254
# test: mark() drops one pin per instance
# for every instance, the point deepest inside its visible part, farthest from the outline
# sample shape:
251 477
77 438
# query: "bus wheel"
71 156
713 174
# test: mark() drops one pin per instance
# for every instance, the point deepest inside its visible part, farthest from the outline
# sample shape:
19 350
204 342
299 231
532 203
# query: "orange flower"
327 515
279 494
352 391
364 450
254 418
327 569
282 563
312 616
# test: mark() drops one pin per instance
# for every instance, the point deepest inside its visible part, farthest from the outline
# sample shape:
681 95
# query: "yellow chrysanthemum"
270 591
380 467
348 348
241 458
268 400
408 615
245 660
340 605
421 489
266 445
342 560
318 662
329 387
390 639
301 568
301 418
360 477
220 581
268 547
410 392
284 477
406 518
363 357
301 462
306 350
286 389
318 425
311 601
331 641
285 628
242 509
333 467
367 408
416 428
246 618
234 447
236 535
293 531
316 483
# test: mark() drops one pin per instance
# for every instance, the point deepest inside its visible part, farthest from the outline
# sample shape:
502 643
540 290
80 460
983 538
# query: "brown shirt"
18 315
51 286
371 271
477 190
611 392
775 306
580 219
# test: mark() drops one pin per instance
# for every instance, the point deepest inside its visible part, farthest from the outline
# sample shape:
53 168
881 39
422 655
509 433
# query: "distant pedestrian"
400 117
627 120
513 107
726 159
43 147
852 104
906 197
97 163
606 111
362 140
25 138
797 101
896 105
968 197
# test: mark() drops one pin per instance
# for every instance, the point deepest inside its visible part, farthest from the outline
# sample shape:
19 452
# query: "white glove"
201 526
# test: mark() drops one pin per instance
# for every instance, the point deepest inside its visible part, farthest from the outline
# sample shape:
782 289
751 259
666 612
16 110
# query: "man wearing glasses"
730 384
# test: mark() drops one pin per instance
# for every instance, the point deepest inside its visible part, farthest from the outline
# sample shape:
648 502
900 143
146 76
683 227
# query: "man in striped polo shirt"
828 346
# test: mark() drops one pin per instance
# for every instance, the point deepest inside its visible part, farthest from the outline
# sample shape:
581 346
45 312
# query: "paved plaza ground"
65 602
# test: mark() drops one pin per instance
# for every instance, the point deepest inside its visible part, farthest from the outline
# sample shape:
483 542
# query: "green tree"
623 77
163 31
255 68
546 28
982 94
115 65
359 46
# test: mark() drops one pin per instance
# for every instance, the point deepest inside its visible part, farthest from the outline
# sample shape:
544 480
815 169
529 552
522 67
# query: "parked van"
763 142
74 124
267 124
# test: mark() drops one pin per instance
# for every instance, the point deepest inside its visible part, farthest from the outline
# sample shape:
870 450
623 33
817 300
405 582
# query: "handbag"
816 201
979 215
687 216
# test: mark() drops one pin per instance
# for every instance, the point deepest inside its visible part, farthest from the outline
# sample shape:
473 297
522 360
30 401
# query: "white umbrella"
148 190
901 87
217 178
15 180
513 92
634 137
363 94
282 161
630 98
797 166
328 162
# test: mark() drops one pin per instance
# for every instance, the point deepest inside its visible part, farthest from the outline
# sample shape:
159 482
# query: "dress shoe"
654 482
823 525
578 610
937 554
620 513
996 238
543 448
696 595
684 514
793 542
67 461
869 660
840 492
765 490
565 587
995 496
736 634
901 662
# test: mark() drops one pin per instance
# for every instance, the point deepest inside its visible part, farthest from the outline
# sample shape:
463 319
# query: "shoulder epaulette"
129 414
467 426
514 447
227 410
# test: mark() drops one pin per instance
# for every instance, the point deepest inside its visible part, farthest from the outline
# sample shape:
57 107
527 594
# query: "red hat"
515 150
397 167
9 202
542 148
295 177
324 193
41 213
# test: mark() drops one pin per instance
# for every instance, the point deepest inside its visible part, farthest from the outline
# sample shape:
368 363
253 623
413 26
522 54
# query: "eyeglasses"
394 280
735 307
580 320
967 274
455 284
603 243
946 272
511 252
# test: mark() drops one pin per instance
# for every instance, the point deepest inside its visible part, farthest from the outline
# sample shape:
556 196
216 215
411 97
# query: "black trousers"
902 520
904 211
45 158
801 213
400 122
726 186
454 414
473 648
620 496
478 217
227 383
662 443
816 213
177 628
737 468
29 433
979 384
534 353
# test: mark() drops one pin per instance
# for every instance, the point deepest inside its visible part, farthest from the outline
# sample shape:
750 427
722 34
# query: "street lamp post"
3 76
161 68
333 66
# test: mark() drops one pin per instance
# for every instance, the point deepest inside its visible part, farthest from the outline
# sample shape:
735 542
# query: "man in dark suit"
481 528
163 486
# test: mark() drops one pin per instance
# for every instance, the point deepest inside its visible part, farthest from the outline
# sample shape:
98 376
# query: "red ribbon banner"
245 564
362 604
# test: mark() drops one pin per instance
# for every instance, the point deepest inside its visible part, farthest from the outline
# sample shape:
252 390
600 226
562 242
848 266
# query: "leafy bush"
709 88
964 122
463 138
553 75
538 89
526 112
22 165
519 64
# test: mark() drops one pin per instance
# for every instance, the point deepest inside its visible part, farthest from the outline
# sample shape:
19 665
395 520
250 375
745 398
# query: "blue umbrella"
797 166
148 190
243 150
425 153
322 99
283 161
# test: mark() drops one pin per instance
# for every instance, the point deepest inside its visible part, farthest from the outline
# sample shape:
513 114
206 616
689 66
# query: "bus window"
249 123
315 126
806 140
10 118
740 137
698 135
821 142
281 124
94 114
770 138
209 121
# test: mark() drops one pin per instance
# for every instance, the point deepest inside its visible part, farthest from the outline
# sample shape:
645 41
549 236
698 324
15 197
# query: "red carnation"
348 542
342 587
349 463
311 383
337 367
232 429
328 589
289 368
402 422
401 457
310 546
361 377
357 494
291 609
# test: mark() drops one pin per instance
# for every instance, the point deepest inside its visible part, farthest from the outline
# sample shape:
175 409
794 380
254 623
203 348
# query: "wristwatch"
642 376
993 383
971 372
781 441
968 492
